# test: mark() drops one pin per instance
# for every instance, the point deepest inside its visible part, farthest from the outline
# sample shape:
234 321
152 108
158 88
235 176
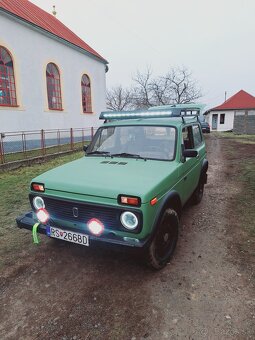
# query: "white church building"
49 77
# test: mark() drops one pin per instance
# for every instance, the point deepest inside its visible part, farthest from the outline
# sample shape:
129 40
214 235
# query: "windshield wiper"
98 153
125 154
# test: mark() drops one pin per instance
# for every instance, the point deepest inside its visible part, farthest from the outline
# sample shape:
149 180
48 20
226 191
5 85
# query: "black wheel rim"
166 241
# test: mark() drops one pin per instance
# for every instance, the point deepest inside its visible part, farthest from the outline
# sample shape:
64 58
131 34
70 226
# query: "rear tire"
162 247
199 192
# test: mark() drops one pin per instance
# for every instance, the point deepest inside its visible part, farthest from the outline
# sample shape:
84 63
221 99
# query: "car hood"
109 177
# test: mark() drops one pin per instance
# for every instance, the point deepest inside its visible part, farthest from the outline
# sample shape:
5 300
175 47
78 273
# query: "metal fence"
22 145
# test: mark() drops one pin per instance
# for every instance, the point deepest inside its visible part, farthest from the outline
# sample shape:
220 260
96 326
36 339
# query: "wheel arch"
170 200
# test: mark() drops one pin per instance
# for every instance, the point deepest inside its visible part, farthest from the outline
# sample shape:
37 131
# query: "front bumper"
27 221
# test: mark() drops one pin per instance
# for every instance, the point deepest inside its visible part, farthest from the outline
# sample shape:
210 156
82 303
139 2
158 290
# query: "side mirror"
189 153
85 148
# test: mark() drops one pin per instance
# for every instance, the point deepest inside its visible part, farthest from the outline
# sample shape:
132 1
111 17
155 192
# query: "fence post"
83 139
71 138
92 132
58 134
1 149
42 142
24 146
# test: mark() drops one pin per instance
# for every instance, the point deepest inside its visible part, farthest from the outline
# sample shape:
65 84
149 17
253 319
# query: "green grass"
14 188
243 161
17 156
247 197
245 139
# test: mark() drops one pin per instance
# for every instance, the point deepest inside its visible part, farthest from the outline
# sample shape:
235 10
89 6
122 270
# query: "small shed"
237 114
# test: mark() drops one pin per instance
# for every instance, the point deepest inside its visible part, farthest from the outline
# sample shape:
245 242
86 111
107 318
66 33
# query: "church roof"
29 12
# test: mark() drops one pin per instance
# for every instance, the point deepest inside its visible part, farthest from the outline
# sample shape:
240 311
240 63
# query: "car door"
189 167
199 146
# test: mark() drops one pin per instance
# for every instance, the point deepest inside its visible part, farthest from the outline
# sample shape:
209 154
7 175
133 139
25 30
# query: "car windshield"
152 142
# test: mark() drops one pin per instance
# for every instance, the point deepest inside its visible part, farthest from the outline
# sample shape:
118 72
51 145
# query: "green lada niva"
137 174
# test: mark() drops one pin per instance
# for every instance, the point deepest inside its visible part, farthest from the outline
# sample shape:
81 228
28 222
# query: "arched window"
53 87
86 94
7 81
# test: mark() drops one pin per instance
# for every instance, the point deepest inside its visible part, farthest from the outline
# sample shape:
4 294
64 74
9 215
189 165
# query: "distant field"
248 139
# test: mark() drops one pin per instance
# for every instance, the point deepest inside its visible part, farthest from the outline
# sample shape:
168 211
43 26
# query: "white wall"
31 52
229 120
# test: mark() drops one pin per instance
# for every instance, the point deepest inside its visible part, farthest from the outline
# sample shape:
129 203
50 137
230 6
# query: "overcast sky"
214 39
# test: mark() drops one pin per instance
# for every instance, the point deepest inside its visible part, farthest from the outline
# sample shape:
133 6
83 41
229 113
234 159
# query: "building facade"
237 114
49 78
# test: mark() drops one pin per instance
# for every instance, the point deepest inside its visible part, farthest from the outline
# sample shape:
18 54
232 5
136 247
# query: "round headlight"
38 202
129 220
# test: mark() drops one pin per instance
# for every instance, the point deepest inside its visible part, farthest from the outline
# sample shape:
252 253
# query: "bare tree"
160 89
118 99
182 88
176 87
143 93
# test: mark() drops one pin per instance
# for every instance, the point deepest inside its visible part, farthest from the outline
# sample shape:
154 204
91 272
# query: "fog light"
95 226
38 202
43 215
129 220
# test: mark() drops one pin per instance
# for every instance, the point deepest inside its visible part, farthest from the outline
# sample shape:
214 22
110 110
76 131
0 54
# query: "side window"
222 118
187 137
86 94
197 135
53 87
7 81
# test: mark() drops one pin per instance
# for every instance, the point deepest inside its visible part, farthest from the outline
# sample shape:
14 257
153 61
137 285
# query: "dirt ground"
63 291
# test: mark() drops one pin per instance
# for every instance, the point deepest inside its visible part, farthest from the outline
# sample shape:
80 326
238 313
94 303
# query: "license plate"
69 236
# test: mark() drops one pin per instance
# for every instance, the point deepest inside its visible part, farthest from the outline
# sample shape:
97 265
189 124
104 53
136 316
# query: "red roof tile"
36 16
240 100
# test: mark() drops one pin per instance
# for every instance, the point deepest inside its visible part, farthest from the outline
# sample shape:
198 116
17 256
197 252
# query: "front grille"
63 210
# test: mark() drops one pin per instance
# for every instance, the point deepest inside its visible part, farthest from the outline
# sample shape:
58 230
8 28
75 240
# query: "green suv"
129 190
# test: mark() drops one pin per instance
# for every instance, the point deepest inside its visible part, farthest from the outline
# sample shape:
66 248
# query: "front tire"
164 242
